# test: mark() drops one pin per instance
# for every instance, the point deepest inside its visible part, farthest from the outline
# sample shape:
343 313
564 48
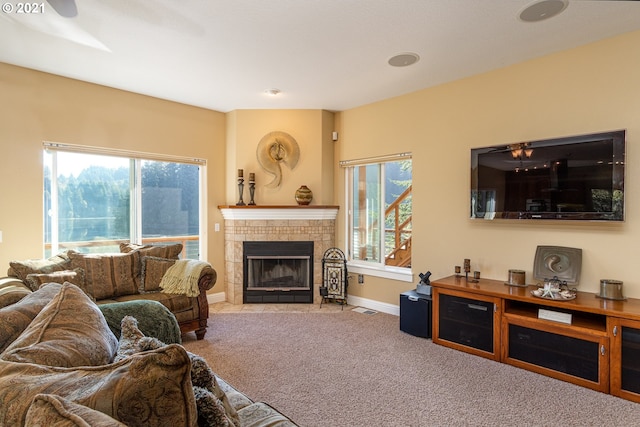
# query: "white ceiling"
322 54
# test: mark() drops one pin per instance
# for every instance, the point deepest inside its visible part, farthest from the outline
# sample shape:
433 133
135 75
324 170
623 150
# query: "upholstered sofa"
135 273
61 364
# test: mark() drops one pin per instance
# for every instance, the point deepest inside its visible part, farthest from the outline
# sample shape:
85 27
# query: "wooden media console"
588 341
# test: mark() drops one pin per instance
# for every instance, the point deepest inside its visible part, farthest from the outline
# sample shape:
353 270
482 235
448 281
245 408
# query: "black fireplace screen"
278 272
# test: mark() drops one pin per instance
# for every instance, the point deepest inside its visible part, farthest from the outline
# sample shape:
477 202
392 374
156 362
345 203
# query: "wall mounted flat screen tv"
572 178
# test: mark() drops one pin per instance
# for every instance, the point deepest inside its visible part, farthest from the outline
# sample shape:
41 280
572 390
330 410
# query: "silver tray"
557 296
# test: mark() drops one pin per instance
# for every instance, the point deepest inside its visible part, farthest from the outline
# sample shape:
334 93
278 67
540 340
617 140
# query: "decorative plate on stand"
558 262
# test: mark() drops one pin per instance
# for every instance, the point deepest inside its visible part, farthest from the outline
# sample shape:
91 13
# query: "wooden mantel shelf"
279 207
279 212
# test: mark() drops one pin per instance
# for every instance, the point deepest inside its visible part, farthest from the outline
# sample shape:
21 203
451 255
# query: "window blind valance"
85 149
377 159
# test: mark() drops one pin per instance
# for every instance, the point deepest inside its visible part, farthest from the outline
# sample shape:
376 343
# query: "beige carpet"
353 369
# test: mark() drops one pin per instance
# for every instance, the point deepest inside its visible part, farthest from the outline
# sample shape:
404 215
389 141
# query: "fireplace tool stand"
334 277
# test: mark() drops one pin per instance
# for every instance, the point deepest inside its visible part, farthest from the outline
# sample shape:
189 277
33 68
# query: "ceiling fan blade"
65 8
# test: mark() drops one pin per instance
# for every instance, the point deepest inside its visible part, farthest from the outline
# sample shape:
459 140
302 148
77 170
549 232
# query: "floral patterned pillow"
146 390
52 410
15 318
69 331
213 405
109 275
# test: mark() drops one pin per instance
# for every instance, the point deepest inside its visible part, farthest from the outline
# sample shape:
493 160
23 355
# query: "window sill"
395 273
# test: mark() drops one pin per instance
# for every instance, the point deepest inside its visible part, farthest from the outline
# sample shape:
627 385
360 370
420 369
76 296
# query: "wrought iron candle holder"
467 270
240 187
252 187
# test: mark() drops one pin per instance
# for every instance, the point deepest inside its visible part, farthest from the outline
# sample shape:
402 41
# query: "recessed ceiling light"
404 59
272 92
541 10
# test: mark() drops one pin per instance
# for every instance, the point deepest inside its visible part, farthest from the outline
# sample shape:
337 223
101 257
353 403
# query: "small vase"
304 195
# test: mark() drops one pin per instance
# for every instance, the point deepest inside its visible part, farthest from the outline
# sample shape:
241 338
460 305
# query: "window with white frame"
95 199
379 215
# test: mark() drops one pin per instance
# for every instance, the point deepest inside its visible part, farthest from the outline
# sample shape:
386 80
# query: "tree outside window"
94 202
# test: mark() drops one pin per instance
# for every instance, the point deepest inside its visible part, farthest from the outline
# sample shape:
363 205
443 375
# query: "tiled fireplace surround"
275 223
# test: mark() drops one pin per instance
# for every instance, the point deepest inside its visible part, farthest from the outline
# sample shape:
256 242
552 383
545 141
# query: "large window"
379 214
95 199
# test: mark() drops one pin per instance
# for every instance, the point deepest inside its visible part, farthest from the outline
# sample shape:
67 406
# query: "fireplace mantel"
274 223
279 212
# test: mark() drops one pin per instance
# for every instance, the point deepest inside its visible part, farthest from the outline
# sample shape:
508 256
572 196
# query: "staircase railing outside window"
398 236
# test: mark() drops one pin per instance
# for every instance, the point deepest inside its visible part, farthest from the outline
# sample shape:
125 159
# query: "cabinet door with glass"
625 358
467 322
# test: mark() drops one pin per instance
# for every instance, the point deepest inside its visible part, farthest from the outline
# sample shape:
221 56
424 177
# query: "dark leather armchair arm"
207 279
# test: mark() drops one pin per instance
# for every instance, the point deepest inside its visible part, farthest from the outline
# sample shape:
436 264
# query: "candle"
252 176
240 173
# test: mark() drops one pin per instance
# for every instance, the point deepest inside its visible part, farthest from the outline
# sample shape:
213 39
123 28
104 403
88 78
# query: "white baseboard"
374 305
217 297
351 300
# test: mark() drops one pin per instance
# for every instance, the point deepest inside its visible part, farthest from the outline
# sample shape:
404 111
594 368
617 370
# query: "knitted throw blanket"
182 277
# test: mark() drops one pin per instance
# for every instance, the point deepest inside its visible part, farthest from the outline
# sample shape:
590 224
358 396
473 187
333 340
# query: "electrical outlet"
216 227
361 279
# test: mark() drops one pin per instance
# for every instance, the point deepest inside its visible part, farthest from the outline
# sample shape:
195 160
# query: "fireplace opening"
276 271
273 272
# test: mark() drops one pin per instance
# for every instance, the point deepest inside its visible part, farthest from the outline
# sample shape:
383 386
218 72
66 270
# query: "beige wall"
312 131
35 107
587 89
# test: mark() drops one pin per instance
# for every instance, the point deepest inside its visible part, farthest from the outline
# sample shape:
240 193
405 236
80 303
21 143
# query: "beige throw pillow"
146 390
109 275
153 269
69 331
211 401
15 318
23 268
164 251
56 411
76 276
